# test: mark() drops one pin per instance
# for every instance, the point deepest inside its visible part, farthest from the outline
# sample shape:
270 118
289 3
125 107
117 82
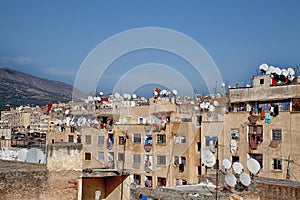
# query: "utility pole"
288 170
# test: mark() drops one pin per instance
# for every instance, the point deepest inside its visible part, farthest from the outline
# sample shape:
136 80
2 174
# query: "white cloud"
14 61
60 71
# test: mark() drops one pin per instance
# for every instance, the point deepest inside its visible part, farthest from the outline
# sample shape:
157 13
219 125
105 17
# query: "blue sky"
51 39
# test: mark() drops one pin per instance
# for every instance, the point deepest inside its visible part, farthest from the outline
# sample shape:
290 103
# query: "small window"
100 140
199 146
148 181
137 158
176 160
137 138
88 139
235 159
276 135
177 181
87 156
71 138
161 139
121 157
277 164
161 160
199 170
121 140
100 155
184 182
258 157
210 141
183 139
262 81
183 160
161 181
137 179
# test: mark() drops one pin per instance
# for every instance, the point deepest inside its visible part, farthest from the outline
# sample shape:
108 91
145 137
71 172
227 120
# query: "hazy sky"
51 39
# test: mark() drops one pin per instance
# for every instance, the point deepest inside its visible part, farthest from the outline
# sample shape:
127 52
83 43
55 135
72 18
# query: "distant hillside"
18 88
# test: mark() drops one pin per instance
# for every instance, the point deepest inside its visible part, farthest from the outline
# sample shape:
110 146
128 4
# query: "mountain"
18 88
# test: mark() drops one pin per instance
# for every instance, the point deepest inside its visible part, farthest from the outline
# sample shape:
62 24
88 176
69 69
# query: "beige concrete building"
263 122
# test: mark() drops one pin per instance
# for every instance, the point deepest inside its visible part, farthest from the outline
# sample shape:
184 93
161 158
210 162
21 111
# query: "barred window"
161 139
276 135
100 155
100 140
137 138
277 164
161 160
137 158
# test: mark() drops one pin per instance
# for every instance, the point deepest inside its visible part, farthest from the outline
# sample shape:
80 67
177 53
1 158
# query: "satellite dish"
245 179
223 84
35 155
264 68
196 108
67 112
98 98
291 71
134 96
226 163
101 93
174 92
247 85
211 108
253 166
207 104
230 179
128 96
117 95
284 72
202 105
132 103
229 86
208 158
291 77
278 71
90 98
95 98
237 167
22 155
272 69
163 92
216 103
155 93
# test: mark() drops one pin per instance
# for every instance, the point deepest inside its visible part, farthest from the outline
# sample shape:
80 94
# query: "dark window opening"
87 156
184 182
277 164
261 81
276 135
161 181
137 138
71 138
137 179
161 139
148 181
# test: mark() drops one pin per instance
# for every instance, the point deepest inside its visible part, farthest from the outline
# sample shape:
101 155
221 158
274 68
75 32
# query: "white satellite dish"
278 71
125 95
164 92
206 105
132 103
284 72
155 93
98 98
245 179
229 86
128 96
202 105
230 179
117 95
196 108
101 93
253 166
90 98
237 167
35 155
247 85
22 155
272 69
291 71
226 163
223 84
216 103
134 96
174 92
95 98
211 108
291 77
264 67
208 158
67 112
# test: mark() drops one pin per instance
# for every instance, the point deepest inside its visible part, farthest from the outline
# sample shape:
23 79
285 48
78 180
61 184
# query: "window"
199 120
255 136
137 158
184 182
137 138
199 146
183 160
177 139
176 160
277 164
100 155
261 81
258 157
100 140
161 160
87 156
88 139
183 139
276 135
121 140
148 181
235 159
161 138
137 179
121 156
199 170
210 141
71 138
177 181
161 181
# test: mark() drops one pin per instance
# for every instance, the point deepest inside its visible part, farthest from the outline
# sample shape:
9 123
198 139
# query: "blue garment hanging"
268 118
